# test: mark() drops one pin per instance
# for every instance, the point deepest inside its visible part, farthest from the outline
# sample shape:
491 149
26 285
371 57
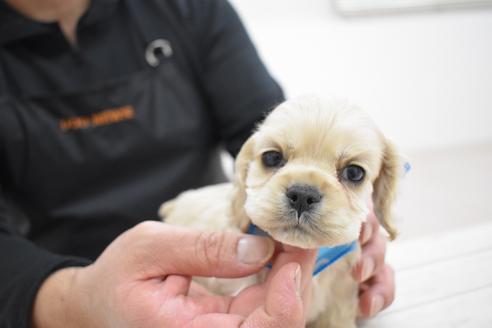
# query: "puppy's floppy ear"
243 160
385 187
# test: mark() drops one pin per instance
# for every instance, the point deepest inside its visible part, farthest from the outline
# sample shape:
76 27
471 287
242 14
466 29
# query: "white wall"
426 78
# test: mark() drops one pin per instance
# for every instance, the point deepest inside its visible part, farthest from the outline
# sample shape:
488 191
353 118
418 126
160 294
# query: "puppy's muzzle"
302 198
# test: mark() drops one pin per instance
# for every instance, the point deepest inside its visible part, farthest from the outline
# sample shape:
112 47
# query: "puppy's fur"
317 141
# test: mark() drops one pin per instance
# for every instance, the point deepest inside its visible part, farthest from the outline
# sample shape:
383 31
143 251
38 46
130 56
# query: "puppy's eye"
272 158
353 173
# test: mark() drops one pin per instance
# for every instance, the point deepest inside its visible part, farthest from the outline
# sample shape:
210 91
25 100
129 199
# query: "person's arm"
239 87
23 269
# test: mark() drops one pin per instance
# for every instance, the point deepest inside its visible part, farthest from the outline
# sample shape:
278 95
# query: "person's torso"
97 134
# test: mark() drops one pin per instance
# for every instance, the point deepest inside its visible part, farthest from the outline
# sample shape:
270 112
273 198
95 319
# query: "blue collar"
326 255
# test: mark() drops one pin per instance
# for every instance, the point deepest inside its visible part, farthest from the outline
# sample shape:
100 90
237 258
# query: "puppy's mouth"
302 234
301 221
299 217
297 223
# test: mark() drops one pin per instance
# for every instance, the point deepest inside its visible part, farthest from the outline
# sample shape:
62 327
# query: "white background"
426 78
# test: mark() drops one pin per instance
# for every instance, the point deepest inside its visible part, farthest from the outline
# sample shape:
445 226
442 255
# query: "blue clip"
326 255
406 168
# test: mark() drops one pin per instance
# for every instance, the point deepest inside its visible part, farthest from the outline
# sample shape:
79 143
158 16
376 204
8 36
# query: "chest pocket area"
95 139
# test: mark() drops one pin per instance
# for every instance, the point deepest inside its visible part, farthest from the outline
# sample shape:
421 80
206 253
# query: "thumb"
162 249
283 305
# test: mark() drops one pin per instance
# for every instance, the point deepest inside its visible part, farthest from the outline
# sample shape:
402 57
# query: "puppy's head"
307 174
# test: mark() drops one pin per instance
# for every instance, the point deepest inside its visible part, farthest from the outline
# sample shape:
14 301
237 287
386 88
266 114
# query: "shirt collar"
15 26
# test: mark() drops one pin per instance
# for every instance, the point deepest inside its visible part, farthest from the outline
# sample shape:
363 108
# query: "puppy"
305 177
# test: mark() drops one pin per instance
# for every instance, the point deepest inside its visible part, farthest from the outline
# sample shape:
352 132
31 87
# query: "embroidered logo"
105 117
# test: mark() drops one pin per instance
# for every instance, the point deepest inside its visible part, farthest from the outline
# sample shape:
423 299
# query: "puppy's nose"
302 197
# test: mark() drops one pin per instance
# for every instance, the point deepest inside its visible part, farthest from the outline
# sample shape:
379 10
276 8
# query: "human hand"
377 280
143 279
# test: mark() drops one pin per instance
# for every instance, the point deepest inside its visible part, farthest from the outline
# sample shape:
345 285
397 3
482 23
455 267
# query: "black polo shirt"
94 138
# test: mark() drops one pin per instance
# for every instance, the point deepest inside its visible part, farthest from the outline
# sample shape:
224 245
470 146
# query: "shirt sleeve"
23 268
240 89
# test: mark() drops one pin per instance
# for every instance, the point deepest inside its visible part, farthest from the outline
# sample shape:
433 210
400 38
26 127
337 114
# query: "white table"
443 280
443 261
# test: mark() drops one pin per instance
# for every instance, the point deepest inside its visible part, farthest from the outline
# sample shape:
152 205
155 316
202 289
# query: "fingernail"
367 268
297 280
253 250
366 232
377 304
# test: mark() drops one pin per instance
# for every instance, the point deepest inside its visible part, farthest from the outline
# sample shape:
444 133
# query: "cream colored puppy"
305 177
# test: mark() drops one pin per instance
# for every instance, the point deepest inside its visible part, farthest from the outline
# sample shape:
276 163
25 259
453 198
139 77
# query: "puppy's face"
307 175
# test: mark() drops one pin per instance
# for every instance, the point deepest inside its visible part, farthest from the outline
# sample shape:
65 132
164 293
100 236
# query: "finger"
305 257
249 298
369 228
171 292
307 296
283 305
379 294
177 285
371 260
216 320
160 249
